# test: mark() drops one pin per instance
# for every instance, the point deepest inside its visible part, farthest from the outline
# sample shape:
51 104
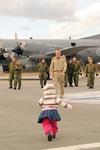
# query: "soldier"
89 57
65 76
17 74
90 70
77 70
11 71
57 71
70 72
43 69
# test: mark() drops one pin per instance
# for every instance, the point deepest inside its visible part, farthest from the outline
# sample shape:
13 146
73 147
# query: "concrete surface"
19 111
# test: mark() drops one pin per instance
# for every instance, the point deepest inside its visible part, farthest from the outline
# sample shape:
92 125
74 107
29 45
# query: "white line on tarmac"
77 147
87 97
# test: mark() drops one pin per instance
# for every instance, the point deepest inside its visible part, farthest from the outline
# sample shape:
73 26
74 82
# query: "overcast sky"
57 19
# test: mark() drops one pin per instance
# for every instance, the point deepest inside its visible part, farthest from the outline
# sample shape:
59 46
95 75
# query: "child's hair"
49 85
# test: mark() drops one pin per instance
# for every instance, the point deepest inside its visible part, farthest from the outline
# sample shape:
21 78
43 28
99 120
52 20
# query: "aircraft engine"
1 54
6 55
18 50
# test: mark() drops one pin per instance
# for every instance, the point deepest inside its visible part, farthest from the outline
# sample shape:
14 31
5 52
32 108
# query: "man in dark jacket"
70 72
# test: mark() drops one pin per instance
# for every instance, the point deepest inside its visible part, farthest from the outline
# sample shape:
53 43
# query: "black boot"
49 137
54 136
10 87
18 88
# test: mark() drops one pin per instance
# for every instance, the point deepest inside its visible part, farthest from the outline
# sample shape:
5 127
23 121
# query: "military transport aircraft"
31 50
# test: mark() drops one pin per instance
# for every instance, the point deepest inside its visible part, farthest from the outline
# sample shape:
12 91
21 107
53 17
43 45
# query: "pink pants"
49 126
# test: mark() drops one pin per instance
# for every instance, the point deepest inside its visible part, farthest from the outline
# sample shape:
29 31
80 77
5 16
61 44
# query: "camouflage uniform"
11 73
43 69
57 71
89 57
77 70
90 72
17 76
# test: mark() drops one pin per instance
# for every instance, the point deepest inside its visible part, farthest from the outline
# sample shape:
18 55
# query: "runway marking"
88 97
77 147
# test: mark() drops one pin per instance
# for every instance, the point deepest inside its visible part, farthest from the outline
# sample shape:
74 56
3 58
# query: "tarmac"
19 112
25 76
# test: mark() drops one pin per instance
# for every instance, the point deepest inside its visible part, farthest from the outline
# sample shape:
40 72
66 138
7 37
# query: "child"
49 115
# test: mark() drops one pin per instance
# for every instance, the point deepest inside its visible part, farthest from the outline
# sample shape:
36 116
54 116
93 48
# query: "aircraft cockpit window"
73 44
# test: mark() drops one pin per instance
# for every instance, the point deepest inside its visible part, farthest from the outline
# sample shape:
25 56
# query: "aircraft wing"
71 51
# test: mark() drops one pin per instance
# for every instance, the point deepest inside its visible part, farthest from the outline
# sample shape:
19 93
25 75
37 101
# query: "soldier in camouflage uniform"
77 70
57 71
89 57
11 72
43 69
90 70
17 74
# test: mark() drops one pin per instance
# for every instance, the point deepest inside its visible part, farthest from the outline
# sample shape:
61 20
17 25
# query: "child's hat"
49 85
49 90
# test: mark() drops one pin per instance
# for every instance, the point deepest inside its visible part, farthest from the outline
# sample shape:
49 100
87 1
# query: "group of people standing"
65 72
73 70
15 68
61 71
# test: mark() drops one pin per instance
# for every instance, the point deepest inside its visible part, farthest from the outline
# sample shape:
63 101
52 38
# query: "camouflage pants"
76 78
11 78
43 78
90 77
17 80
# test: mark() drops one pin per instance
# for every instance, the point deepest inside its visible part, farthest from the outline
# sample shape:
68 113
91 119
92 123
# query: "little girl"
49 115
